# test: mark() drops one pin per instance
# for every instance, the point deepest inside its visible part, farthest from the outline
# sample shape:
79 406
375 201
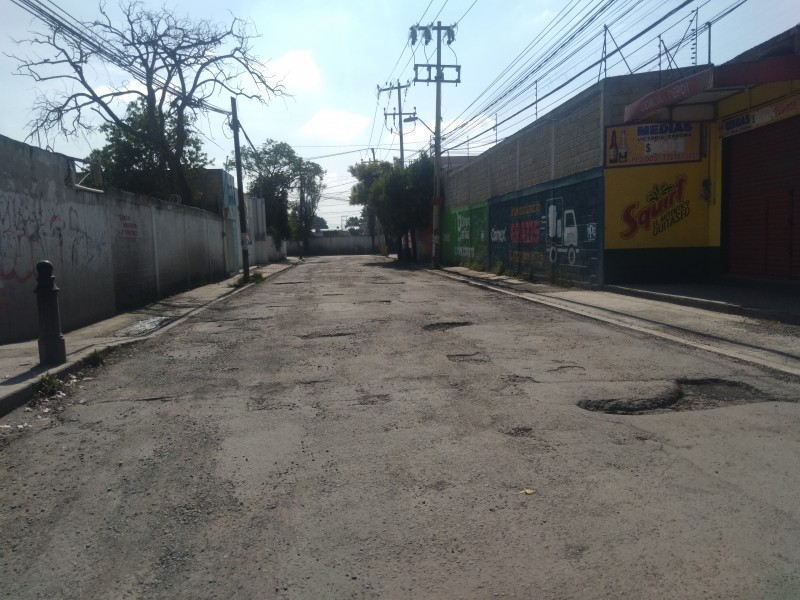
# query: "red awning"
706 88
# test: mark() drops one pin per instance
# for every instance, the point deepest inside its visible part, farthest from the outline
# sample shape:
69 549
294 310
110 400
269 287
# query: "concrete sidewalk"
779 303
19 363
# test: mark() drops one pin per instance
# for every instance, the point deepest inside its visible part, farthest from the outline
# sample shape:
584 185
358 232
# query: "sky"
332 55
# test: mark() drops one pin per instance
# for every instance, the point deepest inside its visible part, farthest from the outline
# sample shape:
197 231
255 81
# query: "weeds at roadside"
49 385
96 359
255 277
499 268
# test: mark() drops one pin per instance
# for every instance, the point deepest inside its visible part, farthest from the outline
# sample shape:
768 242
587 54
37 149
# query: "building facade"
682 175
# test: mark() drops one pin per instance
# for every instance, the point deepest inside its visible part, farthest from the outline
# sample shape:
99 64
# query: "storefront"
748 175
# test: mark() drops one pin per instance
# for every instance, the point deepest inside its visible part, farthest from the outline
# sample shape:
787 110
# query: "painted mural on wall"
657 207
549 231
465 235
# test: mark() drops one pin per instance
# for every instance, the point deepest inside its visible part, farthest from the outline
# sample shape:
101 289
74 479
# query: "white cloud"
297 71
335 125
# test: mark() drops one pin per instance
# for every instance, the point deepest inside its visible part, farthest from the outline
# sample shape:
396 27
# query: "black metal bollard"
52 349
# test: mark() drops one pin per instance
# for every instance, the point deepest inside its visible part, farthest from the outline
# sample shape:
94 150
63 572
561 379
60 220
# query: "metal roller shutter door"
764 201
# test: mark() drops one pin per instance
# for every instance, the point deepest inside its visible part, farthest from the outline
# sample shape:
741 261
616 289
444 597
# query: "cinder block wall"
566 141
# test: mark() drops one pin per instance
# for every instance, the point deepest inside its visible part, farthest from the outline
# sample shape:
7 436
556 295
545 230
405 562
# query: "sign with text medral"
652 144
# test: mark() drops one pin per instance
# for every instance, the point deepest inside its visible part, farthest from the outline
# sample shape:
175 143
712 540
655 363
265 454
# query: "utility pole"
399 113
301 216
439 79
240 184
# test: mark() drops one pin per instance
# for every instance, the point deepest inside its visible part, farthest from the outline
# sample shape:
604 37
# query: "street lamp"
414 118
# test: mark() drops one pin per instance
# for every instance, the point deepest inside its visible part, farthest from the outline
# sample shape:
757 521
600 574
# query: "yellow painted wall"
656 207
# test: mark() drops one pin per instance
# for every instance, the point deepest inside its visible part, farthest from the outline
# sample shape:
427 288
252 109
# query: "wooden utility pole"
439 79
240 185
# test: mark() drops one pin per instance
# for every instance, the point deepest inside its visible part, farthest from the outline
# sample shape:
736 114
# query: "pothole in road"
335 334
472 357
373 400
687 394
521 431
446 325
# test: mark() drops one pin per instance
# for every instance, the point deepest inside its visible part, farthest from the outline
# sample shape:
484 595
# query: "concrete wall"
353 244
111 251
266 252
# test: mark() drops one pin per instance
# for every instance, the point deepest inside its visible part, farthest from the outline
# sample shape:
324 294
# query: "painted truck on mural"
561 227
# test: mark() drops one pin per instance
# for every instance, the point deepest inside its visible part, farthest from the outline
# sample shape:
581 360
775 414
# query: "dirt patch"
144 326
687 394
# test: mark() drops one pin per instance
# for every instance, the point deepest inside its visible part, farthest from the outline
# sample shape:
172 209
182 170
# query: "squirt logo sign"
664 207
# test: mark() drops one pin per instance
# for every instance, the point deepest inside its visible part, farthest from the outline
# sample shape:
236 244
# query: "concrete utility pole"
240 184
399 113
439 79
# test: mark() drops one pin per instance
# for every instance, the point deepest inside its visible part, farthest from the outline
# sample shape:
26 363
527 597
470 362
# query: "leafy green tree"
354 222
319 223
271 172
400 197
309 187
364 192
277 174
131 162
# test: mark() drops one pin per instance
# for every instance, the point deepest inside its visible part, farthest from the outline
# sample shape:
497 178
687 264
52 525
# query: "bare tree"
175 67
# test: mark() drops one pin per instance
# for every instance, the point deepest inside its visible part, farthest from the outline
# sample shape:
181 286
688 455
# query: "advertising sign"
553 230
652 144
657 207
760 116
464 234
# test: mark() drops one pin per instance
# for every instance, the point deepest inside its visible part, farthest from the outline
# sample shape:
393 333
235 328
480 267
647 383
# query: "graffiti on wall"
30 230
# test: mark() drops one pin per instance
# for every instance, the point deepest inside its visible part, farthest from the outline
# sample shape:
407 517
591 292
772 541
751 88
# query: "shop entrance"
761 202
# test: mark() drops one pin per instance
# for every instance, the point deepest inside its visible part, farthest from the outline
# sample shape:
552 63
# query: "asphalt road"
349 429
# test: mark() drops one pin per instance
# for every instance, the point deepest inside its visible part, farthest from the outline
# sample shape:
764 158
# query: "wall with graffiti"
111 251
550 231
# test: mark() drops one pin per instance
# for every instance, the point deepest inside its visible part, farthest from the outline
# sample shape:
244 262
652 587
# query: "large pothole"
686 394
